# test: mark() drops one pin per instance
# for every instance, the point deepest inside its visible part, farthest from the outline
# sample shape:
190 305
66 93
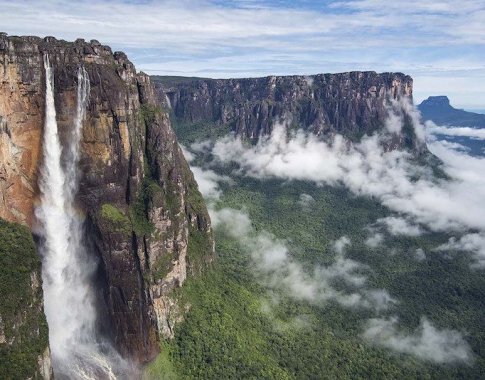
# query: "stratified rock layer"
141 202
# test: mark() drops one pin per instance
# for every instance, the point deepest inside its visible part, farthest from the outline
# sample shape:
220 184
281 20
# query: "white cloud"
473 242
456 131
208 182
400 226
420 254
234 222
279 271
201 146
306 200
374 240
187 154
340 244
450 145
366 169
427 342
207 179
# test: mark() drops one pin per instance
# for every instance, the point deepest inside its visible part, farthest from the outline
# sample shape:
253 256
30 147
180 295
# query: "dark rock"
352 104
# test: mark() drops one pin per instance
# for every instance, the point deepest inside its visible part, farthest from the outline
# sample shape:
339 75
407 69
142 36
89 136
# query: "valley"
249 322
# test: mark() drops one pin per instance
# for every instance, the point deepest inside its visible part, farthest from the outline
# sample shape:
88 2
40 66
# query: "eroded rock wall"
352 104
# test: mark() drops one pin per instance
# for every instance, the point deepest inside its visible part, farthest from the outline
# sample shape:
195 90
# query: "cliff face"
351 104
141 202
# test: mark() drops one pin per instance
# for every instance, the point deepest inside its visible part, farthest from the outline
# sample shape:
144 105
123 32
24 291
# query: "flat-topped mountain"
439 110
352 104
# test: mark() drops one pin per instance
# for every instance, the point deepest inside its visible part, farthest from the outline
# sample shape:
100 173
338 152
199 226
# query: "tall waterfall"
67 268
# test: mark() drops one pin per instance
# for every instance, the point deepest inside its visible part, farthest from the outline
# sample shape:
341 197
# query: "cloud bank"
474 242
400 226
279 272
421 203
366 169
306 200
476 133
387 175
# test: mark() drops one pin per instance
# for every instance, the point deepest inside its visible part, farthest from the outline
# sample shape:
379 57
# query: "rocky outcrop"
24 346
351 104
143 210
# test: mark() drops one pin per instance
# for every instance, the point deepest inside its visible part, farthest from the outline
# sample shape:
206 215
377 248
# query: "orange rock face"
21 120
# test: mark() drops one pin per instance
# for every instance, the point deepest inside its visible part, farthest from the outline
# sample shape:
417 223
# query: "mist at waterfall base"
68 269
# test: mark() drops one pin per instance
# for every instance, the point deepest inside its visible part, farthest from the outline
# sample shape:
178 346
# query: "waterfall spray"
67 268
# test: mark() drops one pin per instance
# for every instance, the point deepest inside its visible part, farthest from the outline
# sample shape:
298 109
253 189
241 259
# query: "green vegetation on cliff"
116 219
199 131
148 113
150 193
23 327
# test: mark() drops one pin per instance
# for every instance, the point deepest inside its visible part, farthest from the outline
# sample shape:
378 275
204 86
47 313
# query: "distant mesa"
439 110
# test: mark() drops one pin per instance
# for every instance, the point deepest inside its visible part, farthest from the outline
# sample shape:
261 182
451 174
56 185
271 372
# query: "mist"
476 133
282 274
426 342
421 201
277 269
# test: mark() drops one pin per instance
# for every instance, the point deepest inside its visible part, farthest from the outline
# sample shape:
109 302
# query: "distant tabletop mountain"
439 110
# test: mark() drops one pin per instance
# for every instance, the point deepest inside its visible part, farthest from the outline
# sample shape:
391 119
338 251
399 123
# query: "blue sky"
441 44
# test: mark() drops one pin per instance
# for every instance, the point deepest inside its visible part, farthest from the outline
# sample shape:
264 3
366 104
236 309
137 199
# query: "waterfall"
67 268
169 103
83 89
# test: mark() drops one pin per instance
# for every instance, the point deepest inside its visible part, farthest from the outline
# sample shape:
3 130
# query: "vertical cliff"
352 104
143 211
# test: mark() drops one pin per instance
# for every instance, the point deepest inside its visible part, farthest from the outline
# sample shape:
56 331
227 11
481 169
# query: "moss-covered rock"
115 218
